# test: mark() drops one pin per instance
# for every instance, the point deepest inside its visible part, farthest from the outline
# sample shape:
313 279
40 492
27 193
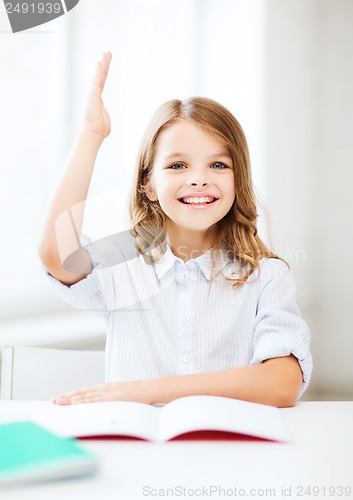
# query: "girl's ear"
151 195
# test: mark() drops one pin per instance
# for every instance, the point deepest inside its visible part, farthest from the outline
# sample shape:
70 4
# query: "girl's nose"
196 183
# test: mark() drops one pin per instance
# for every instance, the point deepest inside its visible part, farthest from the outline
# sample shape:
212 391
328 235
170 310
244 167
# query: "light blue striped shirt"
167 318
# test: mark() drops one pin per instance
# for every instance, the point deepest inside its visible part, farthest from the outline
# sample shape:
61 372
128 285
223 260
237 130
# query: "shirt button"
186 359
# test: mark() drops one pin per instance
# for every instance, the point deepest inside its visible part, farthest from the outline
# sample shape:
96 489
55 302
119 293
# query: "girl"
194 301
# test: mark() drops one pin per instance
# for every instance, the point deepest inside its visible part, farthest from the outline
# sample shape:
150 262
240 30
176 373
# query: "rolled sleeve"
279 329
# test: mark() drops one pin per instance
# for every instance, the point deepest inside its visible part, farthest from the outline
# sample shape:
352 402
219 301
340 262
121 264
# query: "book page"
107 418
194 413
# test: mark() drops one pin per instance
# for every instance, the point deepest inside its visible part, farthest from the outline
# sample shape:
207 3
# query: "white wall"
309 167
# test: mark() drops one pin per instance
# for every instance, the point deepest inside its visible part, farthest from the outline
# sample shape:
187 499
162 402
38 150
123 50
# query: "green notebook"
29 452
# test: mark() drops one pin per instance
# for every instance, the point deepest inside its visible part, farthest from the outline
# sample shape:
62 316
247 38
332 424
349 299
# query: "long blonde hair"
236 232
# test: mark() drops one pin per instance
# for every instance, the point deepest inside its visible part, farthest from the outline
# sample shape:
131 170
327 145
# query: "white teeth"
199 199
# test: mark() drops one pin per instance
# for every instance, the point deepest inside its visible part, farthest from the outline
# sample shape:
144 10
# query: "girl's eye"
177 166
219 165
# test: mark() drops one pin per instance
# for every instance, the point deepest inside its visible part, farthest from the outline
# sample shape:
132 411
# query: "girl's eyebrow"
184 155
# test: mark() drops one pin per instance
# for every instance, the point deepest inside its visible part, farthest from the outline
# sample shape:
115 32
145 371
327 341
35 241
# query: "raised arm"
63 223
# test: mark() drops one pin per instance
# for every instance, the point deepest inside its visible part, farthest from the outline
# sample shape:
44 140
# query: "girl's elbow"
42 252
45 253
287 400
288 394
287 378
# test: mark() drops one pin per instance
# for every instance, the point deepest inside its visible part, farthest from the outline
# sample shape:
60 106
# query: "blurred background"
284 69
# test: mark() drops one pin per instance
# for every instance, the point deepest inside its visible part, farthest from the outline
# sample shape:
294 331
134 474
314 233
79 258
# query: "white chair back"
35 373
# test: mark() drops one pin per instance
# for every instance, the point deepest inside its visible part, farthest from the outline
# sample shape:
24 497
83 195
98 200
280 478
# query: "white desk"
320 455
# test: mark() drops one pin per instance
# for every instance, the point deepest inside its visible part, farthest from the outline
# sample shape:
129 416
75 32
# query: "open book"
155 423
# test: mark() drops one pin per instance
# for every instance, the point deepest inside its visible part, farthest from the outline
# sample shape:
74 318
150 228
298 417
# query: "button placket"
184 279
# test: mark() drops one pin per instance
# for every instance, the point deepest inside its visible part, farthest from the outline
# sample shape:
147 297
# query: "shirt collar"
165 263
229 267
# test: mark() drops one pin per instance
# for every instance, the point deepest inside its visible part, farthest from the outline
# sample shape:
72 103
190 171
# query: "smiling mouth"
202 200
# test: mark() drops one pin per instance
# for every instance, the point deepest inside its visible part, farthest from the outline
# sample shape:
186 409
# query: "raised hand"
59 241
96 117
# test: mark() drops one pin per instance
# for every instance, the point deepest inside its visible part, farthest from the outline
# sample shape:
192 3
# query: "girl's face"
192 177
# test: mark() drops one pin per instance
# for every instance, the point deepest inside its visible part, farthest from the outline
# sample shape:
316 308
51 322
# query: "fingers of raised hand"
105 62
102 70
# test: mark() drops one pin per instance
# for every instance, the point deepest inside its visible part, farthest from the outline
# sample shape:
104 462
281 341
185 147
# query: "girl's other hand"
96 118
139 391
